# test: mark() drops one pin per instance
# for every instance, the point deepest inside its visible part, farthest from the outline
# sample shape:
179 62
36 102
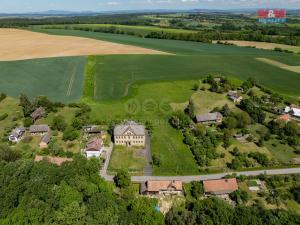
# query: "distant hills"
62 13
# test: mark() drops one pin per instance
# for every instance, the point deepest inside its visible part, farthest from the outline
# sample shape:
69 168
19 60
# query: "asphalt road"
187 179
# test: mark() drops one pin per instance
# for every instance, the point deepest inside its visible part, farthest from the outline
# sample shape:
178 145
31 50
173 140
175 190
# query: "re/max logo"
272 15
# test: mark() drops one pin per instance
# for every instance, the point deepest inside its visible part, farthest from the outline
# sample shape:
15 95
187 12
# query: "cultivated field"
263 45
116 76
23 44
60 79
295 69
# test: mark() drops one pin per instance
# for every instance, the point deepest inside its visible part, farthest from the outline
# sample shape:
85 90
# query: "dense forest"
42 193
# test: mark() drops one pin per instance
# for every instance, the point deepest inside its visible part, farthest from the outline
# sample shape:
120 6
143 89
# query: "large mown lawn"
151 103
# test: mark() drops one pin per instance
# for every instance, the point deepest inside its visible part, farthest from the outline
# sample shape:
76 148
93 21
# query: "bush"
156 159
122 179
59 123
2 97
70 134
3 116
27 122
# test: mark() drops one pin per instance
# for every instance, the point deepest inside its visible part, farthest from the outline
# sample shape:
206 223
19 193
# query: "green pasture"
60 79
151 103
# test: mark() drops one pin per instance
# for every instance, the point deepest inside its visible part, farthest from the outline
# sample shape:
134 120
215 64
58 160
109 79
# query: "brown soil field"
22 44
262 45
295 69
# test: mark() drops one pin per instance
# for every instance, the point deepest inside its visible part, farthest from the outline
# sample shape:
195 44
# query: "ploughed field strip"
22 44
295 69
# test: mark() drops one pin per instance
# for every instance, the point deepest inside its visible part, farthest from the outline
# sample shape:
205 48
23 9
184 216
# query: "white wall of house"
90 154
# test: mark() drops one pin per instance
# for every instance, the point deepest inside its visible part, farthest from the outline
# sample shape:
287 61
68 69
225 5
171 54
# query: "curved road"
187 179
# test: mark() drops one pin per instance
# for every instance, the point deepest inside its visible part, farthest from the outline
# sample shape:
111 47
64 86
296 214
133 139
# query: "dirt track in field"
262 45
295 69
21 44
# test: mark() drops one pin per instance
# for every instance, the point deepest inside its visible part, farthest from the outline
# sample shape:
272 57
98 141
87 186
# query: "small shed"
45 141
38 113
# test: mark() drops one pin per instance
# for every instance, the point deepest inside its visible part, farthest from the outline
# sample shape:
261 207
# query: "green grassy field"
60 79
152 104
116 75
131 159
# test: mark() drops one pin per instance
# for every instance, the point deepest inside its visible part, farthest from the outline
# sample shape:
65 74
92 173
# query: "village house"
94 148
293 111
38 113
45 141
39 129
215 117
168 187
235 97
220 187
130 134
54 160
17 134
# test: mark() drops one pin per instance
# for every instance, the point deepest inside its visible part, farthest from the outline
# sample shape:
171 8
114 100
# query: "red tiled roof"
285 117
222 185
155 186
94 144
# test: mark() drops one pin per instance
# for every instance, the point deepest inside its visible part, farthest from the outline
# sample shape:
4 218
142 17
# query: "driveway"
108 151
148 167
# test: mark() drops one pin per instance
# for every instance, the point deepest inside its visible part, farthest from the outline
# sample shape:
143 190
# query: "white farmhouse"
130 134
94 148
17 134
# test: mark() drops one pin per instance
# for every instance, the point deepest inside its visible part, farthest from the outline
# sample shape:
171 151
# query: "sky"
21 6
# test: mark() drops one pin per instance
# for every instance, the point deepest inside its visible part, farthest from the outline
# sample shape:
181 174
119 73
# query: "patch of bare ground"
295 69
261 45
22 44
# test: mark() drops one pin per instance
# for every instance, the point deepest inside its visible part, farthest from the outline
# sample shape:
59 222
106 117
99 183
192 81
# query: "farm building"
130 134
235 97
45 141
167 187
220 187
293 111
215 117
39 129
17 134
94 148
91 129
38 113
54 160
